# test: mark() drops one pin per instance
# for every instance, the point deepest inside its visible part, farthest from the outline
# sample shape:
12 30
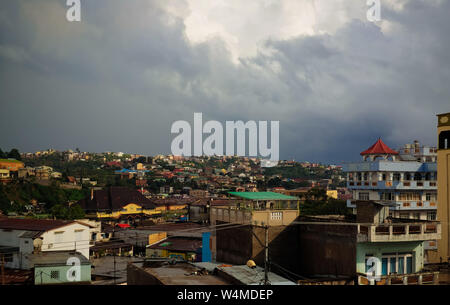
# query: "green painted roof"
263 196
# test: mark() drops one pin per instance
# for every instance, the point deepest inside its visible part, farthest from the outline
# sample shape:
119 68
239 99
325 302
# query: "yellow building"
4 174
332 194
130 209
443 180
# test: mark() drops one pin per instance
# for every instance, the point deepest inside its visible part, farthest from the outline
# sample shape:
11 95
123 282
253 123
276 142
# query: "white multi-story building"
406 179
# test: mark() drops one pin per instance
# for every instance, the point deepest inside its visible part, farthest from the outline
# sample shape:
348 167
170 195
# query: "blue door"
392 268
409 265
401 265
384 266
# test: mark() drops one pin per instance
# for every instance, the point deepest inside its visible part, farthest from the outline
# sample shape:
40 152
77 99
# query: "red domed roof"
379 148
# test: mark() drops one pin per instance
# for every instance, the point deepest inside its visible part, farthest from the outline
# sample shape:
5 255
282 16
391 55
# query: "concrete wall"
284 248
234 245
42 274
68 239
11 238
443 193
327 250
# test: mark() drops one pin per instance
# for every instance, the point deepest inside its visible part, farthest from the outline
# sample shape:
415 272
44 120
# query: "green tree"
75 212
2 154
59 211
14 153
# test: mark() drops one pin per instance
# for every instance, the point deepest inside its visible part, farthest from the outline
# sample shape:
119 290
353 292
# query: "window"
430 197
276 215
413 196
363 196
404 215
59 237
54 274
431 215
387 196
399 263
8 257
444 139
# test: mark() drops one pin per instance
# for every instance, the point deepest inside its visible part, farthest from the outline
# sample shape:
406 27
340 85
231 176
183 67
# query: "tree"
14 153
59 211
2 154
76 212
274 182
317 194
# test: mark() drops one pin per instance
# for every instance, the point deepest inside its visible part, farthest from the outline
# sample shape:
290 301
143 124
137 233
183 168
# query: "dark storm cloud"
117 80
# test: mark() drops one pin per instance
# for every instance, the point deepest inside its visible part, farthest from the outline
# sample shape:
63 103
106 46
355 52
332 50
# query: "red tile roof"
379 148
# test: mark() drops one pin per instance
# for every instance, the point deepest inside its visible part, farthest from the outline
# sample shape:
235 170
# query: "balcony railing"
392 184
402 279
399 232
271 217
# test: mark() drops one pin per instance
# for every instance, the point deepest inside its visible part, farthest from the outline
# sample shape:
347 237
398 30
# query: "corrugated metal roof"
179 244
55 258
248 276
31 234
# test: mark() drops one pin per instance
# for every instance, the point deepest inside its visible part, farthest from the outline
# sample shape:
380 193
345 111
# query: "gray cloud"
117 80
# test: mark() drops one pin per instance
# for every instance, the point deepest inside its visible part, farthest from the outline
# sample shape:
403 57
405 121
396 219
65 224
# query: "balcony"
406 205
395 184
394 232
430 278
271 217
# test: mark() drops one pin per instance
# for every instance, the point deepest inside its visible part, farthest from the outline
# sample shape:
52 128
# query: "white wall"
66 240
49 243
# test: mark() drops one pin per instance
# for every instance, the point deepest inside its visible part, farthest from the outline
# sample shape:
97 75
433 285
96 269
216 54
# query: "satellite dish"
37 243
251 264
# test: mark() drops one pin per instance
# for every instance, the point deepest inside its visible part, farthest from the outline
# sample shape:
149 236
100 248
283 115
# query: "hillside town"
116 218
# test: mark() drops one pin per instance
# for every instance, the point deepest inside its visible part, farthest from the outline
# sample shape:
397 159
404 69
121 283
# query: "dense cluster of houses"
230 232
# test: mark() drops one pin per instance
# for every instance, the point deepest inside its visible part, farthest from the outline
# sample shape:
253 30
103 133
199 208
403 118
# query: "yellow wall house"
4 174
332 194
443 180
129 209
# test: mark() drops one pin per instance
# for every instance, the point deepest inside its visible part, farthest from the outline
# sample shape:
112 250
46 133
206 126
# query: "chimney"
92 193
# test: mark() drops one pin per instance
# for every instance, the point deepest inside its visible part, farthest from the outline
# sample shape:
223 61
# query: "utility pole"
114 250
266 257
3 269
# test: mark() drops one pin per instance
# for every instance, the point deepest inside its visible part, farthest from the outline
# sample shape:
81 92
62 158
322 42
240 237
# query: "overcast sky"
117 80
